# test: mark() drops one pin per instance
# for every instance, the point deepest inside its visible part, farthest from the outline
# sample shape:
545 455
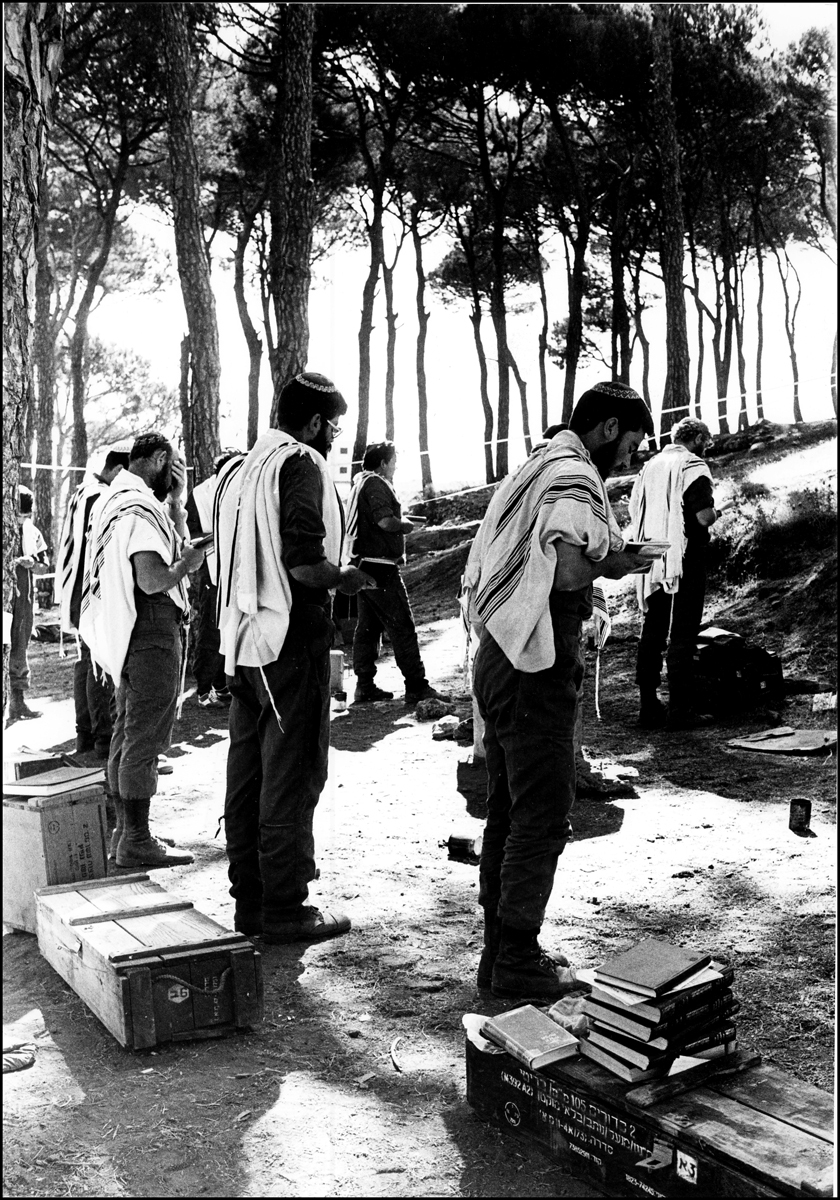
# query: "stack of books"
655 1003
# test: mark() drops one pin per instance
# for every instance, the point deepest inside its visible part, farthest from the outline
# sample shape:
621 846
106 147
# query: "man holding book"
376 532
278 528
548 533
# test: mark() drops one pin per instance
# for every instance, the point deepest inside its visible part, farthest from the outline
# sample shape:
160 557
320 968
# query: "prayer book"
55 783
662 1031
380 569
530 1036
623 1069
645 1056
651 967
710 982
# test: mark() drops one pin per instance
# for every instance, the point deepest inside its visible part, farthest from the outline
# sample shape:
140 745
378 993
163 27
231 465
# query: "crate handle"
193 987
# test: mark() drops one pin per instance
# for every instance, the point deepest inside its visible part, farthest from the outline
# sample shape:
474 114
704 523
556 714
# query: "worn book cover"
651 967
709 982
645 1056
623 1069
56 782
380 569
530 1036
707 1010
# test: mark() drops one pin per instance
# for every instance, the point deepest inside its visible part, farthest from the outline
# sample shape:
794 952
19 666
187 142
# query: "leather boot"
18 709
652 712
117 832
523 971
137 847
492 937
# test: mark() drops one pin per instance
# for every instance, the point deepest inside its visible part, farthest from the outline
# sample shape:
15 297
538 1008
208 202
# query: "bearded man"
134 604
547 534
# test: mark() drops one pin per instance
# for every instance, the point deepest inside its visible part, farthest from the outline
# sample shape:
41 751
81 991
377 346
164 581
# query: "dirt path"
311 1104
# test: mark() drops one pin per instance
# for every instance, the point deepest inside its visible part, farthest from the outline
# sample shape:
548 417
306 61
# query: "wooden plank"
247 990
68 904
143 1031
90 884
674 1085
107 939
740 1136
232 941
74 842
126 893
92 980
24 865
779 1095
163 906
176 931
84 795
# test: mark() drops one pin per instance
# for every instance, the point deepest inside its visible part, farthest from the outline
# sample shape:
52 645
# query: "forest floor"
310 1103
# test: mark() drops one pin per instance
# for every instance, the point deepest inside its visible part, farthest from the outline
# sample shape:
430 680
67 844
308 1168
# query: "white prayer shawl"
557 495
127 519
70 559
254 591
656 513
31 539
204 495
353 509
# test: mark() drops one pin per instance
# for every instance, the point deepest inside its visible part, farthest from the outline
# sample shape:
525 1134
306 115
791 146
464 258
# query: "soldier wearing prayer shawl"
672 500
548 532
134 603
278 528
92 697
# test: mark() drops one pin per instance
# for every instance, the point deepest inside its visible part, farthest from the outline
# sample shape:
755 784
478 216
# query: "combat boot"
18 708
523 971
492 937
137 847
119 827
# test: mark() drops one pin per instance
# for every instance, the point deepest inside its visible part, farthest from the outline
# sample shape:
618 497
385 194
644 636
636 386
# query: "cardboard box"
150 966
50 840
762 1133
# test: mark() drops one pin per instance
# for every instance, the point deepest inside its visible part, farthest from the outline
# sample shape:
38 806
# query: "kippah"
317 387
616 389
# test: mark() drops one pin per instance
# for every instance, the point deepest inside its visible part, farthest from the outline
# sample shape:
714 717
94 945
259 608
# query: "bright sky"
785 22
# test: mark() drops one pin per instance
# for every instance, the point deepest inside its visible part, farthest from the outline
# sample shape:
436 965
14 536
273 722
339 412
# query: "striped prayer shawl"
557 495
353 510
126 520
656 512
71 547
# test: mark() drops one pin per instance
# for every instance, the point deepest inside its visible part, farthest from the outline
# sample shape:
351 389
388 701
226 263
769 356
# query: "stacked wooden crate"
54 831
150 966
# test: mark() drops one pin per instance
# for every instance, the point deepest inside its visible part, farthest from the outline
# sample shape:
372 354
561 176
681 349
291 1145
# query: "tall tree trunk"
644 341
543 341
790 323
45 372
759 346
291 193
620 323
391 343
185 394
523 400
833 383
365 334
32 56
574 328
486 406
190 247
252 338
701 343
743 418
420 355
676 399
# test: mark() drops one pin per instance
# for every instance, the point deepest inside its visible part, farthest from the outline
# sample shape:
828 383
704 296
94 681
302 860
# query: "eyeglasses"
336 429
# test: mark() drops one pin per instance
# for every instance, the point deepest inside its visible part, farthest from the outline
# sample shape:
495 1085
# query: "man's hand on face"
179 476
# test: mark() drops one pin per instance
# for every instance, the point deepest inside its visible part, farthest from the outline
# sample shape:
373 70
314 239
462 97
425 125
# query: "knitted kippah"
318 383
613 388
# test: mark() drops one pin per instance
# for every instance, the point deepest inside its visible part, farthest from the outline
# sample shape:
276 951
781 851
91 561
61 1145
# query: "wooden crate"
150 966
758 1134
24 763
50 840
